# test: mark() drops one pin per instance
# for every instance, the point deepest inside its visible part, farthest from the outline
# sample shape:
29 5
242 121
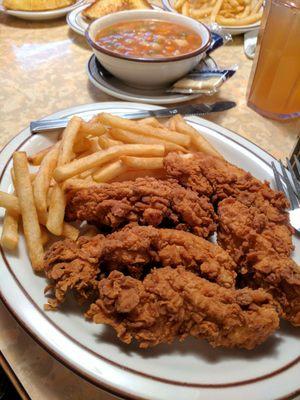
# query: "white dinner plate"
191 370
113 86
233 30
40 15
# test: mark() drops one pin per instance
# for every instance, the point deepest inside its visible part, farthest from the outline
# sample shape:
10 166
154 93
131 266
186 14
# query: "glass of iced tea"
274 85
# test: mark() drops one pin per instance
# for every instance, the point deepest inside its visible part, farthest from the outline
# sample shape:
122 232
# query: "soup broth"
149 39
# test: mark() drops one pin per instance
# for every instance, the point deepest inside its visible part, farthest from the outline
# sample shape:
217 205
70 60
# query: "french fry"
104 156
82 145
42 182
44 235
88 173
70 232
143 163
201 12
76 184
132 175
130 137
37 158
95 146
56 211
215 10
68 141
146 130
150 121
185 9
31 225
241 21
200 143
110 171
106 142
179 3
10 235
10 202
92 128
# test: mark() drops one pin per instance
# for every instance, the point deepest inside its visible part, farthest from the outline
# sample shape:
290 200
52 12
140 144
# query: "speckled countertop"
42 70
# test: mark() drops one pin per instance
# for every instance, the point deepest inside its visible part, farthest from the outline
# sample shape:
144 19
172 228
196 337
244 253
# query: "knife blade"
189 109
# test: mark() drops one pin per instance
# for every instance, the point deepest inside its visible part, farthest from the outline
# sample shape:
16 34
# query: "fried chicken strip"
73 266
146 201
219 179
134 250
259 247
174 303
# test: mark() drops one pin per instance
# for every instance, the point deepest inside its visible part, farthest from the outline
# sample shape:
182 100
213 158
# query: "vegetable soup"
149 39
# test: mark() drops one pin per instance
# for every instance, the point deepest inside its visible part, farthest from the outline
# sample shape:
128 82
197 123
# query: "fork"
291 189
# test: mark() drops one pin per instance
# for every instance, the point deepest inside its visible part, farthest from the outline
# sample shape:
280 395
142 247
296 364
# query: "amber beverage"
274 86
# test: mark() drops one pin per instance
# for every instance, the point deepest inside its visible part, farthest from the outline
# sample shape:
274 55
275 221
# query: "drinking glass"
274 85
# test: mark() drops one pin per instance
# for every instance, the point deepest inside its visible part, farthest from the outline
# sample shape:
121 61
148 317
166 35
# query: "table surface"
42 70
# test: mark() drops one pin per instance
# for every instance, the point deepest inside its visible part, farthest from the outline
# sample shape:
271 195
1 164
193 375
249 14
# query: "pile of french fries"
105 149
224 12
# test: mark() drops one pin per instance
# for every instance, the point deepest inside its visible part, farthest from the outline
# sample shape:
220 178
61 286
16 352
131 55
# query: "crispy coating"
146 201
260 246
72 266
174 303
219 179
143 247
134 250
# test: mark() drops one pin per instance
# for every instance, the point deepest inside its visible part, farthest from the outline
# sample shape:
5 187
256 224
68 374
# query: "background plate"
40 15
188 371
233 30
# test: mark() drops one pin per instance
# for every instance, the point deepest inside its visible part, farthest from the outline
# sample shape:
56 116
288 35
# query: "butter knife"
189 109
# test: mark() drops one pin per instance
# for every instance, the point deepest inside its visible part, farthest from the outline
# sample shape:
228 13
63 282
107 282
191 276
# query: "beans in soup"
148 39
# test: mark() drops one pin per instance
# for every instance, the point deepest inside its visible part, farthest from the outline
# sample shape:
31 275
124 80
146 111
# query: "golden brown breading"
146 201
173 303
219 179
72 266
261 248
134 250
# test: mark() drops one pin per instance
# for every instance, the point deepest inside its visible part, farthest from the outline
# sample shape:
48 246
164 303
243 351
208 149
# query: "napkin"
250 39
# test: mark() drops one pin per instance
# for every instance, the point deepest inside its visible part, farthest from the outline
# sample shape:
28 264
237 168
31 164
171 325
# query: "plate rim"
73 14
131 98
95 107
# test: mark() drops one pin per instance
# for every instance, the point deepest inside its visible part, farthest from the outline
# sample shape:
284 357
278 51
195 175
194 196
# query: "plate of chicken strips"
152 257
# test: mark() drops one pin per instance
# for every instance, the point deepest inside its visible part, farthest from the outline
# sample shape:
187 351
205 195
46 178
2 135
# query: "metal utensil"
196 109
290 186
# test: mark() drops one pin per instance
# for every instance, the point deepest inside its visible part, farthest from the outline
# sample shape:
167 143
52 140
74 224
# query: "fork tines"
288 185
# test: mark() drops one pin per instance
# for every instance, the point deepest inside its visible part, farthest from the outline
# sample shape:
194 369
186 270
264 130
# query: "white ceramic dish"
168 5
147 73
191 370
114 87
76 21
40 15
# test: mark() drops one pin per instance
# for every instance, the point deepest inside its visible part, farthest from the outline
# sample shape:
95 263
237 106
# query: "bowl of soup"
148 48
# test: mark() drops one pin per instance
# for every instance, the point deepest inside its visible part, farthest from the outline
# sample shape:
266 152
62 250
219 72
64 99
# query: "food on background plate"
99 8
148 38
36 5
224 12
